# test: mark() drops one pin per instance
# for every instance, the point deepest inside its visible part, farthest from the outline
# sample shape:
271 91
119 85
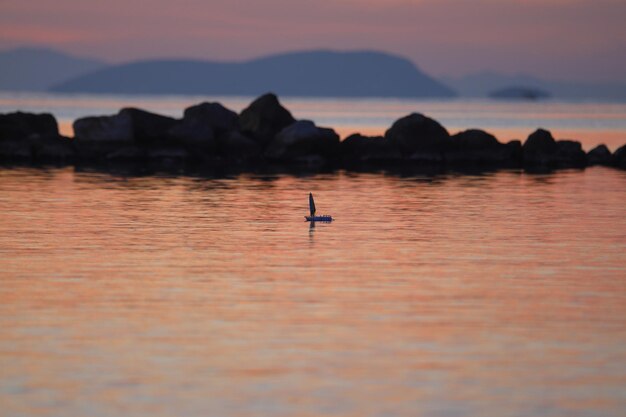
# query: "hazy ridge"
307 74
38 69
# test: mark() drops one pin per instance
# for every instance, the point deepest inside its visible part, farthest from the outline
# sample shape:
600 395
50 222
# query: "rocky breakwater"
27 138
265 134
208 136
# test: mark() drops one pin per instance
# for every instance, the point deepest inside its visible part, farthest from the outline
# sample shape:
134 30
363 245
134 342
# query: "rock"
194 135
39 150
619 157
600 155
100 129
418 137
168 154
357 148
15 151
264 118
477 147
128 154
20 125
472 140
302 141
215 115
569 153
202 124
129 125
236 146
96 137
149 128
29 137
515 147
542 150
540 141
50 149
539 148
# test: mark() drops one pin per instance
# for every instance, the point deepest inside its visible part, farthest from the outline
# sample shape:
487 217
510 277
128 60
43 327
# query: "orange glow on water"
192 293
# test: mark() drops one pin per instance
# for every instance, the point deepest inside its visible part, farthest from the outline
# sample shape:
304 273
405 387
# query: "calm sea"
590 122
501 294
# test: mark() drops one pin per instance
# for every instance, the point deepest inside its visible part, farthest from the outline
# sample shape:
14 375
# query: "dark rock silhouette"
540 149
215 115
97 137
570 153
265 134
600 155
302 141
149 128
300 74
33 138
22 125
104 129
477 147
237 147
619 157
264 118
418 138
357 149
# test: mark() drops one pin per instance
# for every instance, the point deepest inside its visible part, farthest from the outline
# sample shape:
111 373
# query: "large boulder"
302 141
149 128
569 153
104 129
540 141
264 118
235 146
98 136
539 148
600 155
195 137
129 125
359 149
201 126
472 140
215 115
477 147
619 157
53 149
20 125
28 138
418 137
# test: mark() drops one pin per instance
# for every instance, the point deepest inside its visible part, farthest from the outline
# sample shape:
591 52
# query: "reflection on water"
501 294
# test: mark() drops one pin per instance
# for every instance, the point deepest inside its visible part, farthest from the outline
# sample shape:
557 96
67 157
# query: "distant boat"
313 217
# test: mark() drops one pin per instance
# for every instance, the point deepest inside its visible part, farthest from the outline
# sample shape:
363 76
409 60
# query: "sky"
554 39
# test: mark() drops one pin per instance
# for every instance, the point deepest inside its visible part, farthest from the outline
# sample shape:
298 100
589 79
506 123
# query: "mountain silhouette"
37 69
306 74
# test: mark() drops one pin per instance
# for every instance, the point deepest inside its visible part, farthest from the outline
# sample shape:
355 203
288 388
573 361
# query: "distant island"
304 74
520 93
481 84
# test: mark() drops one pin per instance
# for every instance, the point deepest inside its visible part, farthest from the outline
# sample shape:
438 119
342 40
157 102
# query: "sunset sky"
557 39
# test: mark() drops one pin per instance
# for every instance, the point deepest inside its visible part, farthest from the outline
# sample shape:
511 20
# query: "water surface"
501 294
